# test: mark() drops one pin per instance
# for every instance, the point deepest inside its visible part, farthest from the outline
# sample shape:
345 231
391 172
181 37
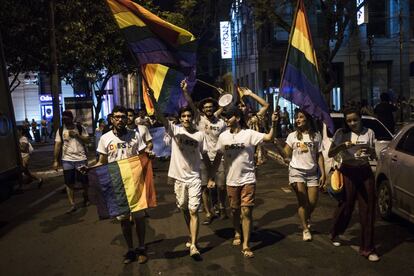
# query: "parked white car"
382 135
395 176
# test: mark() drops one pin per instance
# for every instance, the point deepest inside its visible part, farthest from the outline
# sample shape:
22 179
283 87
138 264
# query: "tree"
89 43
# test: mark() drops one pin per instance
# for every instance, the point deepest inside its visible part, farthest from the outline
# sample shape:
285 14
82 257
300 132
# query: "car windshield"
381 133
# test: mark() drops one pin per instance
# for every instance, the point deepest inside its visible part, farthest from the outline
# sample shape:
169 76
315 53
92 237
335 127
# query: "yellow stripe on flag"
301 41
119 9
155 76
126 19
130 181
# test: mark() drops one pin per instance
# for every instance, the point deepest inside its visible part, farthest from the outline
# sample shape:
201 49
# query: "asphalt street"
38 238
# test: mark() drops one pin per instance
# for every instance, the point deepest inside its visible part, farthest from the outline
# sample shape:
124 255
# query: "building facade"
376 54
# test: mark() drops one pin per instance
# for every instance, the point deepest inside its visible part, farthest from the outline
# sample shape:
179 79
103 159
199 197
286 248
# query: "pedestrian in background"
385 112
98 134
70 148
26 150
44 132
355 146
306 168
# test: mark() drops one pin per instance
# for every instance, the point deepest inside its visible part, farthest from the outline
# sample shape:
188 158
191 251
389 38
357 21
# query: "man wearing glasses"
121 143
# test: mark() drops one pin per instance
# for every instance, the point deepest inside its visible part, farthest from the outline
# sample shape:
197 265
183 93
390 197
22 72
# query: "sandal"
236 240
247 253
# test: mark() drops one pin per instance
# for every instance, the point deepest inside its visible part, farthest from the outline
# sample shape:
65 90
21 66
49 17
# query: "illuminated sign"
225 39
361 13
47 98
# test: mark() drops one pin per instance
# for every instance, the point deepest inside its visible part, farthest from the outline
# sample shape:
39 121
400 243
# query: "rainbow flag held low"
165 82
299 83
123 186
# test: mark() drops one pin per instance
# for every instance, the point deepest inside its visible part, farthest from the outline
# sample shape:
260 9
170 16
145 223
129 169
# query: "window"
406 143
378 18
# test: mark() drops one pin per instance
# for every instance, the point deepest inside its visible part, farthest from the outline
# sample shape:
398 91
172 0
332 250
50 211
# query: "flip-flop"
236 240
247 253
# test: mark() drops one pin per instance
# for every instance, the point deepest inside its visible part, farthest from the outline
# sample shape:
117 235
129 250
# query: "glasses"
120 117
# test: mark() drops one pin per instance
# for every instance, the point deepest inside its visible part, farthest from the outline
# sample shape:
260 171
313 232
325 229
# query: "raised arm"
158 113
269 136
188 98
248 93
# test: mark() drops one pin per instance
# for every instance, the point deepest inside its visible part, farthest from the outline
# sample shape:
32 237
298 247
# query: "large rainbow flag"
123 186
157 45
165 82
152 39
299 83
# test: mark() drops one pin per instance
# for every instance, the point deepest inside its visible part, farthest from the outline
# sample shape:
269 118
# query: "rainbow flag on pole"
153 40
123 186
165 82
157 45
299 82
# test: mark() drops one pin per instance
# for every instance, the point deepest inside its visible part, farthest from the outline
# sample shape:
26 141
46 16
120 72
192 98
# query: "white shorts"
310 178
219 178
188 194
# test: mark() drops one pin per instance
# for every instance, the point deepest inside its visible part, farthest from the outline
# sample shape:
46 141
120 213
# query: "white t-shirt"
186 150
365 139
118 148
304 152
238 150
24 141
211 130
144 133
72 149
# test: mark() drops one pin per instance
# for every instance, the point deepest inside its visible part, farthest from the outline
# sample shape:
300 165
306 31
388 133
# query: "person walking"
256 121
117 144
188 144
26 150
208 122
306 167
237 144
354 145
70 148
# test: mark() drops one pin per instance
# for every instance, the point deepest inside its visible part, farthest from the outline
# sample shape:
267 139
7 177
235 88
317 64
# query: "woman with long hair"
354 145
306 167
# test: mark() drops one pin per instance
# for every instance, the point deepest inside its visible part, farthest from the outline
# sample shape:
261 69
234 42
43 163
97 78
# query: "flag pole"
292 28
221 91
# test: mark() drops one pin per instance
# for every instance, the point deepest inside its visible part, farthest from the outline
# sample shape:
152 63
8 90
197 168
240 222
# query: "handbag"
336 189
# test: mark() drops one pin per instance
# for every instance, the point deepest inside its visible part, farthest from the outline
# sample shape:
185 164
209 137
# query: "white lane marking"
46 196
286 190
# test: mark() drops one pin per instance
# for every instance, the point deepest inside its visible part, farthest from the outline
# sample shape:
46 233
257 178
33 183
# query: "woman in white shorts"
304 147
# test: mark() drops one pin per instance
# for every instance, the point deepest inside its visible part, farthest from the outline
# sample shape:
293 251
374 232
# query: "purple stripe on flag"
102 193
297 89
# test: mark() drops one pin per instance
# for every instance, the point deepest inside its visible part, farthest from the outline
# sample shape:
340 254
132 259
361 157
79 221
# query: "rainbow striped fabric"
165 82
122 187
153 40
299 82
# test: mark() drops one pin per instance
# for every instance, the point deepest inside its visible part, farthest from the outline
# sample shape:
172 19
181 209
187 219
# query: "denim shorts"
71 173
310 178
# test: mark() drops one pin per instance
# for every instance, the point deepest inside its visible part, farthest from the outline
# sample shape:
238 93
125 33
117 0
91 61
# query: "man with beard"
187 148
208 122
117 144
